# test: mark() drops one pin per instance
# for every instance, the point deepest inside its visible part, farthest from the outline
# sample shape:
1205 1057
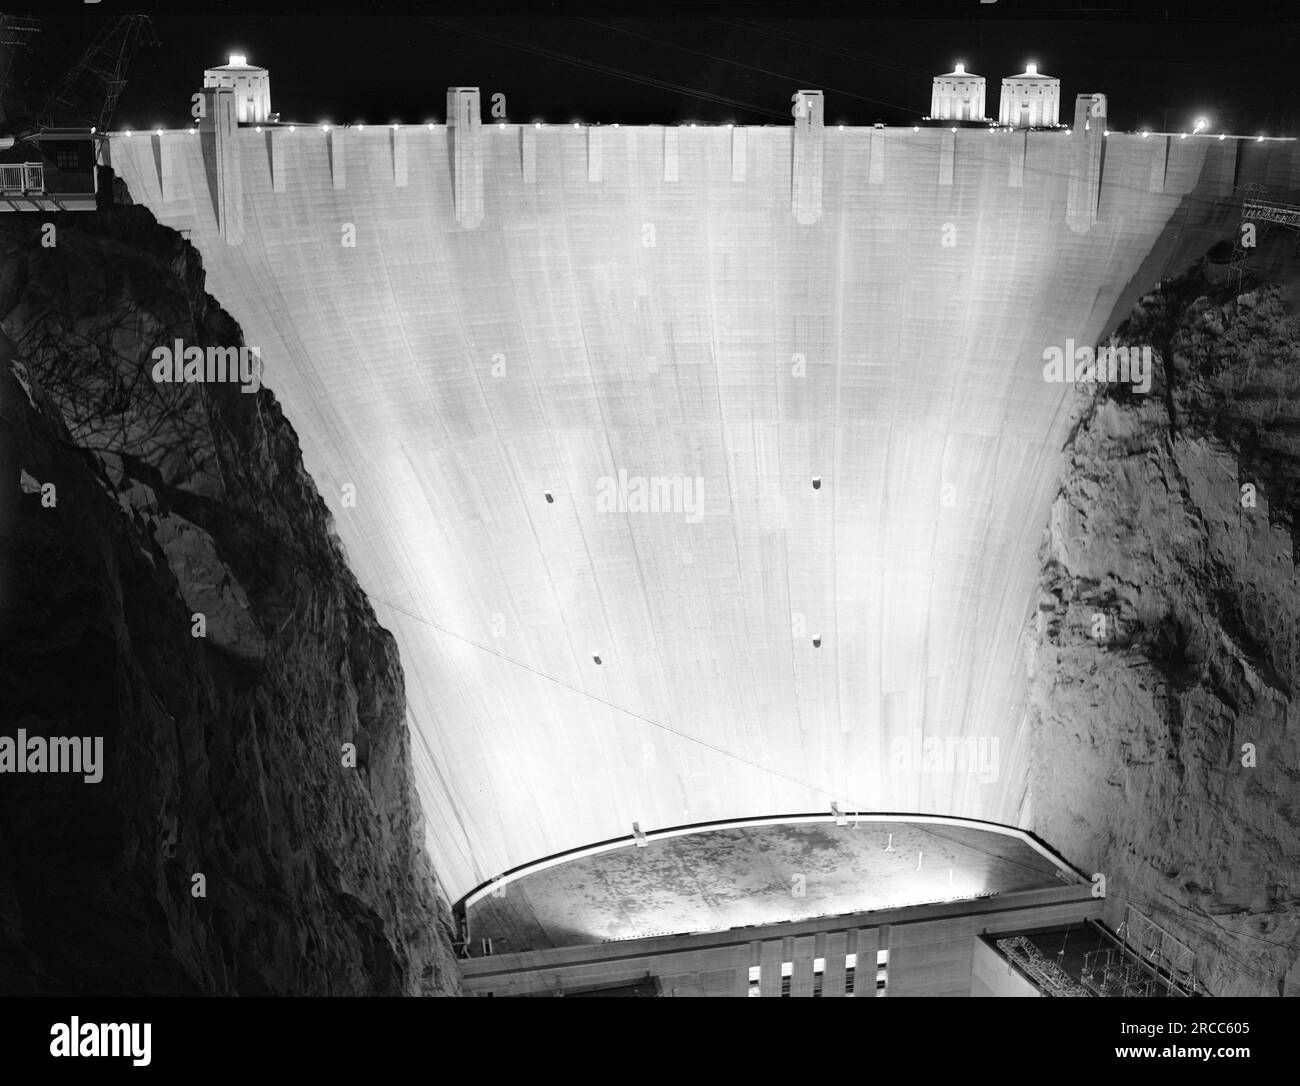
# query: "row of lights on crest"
1200 126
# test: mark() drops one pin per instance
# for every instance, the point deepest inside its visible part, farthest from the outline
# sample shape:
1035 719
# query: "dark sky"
1159 68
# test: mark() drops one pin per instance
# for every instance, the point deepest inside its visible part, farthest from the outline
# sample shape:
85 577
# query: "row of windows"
819 972
234 80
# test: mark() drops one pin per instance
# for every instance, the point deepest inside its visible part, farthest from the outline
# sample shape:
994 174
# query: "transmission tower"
15 32
87 96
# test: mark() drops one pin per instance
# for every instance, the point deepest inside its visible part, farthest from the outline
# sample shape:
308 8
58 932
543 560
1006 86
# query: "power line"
1192 921
605 69
605 701
740 64
812 43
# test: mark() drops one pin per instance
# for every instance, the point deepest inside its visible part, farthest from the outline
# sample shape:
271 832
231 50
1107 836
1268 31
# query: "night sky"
1160 69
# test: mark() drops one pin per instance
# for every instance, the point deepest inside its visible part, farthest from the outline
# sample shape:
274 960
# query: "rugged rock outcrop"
127 508
1166 745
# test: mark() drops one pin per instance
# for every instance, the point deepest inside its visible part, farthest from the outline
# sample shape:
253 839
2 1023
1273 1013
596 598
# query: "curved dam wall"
529 310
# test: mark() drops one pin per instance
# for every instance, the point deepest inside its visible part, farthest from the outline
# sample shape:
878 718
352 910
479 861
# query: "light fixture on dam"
1202 123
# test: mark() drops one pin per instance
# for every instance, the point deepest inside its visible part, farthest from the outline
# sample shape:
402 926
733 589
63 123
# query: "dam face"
566 392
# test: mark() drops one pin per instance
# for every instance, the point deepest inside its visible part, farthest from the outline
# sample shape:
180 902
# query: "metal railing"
1269 211
1049 977
22 179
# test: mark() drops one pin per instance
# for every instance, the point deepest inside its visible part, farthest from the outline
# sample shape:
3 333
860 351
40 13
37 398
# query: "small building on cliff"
53 169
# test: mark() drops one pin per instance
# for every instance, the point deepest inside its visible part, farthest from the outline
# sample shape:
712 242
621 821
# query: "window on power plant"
819 973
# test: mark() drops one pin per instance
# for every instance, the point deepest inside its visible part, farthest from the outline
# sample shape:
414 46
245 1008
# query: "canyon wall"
130 508
1164 657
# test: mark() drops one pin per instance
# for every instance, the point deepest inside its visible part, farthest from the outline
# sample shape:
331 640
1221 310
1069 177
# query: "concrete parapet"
670 154
218 134
338 158
876 162
809 155
1087 135
947 152
276 157
1016 165
528 154
739 152
465 146
595 154
1159 163
165 163
397 138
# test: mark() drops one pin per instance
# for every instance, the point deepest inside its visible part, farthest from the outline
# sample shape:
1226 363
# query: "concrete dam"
701 473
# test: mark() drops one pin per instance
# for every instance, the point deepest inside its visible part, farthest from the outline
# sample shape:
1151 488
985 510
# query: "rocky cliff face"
1166 742
129 507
